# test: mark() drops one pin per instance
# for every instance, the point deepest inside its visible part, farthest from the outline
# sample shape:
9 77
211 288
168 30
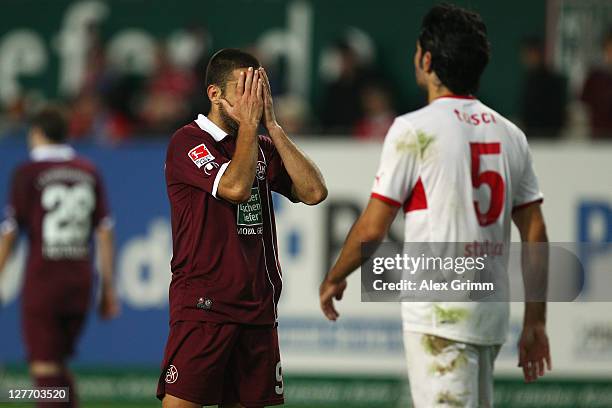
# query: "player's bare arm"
308 183
7 242
372 226
246 109
109 305
534 349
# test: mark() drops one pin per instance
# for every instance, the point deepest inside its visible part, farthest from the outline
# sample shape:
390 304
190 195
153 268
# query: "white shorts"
447 373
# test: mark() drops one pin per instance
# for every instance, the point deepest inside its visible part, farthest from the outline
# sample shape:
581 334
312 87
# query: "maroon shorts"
211 363
51 336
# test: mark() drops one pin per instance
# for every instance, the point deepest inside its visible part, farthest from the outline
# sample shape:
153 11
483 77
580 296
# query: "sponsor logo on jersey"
250 213
200 155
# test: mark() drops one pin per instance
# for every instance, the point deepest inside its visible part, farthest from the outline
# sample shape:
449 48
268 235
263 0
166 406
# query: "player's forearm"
7 241
235 184
535 313
351 257
534 259
535 280
106 253
308 182
348 261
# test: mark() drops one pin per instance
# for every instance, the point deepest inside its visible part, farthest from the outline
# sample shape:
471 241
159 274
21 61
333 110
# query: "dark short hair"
457 41
51 120
224 62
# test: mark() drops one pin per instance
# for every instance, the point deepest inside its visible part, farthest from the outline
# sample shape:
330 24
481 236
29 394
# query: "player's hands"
248 108
268 111
534 352
109 307
327 292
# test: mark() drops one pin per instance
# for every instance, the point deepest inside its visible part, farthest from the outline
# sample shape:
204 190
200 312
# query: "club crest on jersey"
210 167
200 155
171 375
261 170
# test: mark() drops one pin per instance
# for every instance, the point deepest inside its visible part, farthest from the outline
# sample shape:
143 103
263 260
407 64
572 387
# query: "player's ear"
214 94
426 61
35 136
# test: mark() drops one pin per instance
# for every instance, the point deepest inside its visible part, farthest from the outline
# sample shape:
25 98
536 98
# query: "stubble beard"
228 122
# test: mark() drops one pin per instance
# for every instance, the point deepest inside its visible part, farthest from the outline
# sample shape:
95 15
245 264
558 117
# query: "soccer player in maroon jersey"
58 200
226 279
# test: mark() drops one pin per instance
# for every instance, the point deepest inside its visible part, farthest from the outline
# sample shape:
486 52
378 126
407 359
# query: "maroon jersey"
57 199
225 263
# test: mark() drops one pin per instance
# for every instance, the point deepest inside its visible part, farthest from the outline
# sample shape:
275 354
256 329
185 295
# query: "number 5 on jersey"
492 179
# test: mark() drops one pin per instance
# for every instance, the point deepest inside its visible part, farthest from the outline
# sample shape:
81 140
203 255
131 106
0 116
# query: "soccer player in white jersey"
460 172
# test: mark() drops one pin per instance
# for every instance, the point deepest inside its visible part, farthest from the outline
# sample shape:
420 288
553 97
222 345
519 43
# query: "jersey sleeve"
16 210
397 170
528 189
194 161
279 179
101 215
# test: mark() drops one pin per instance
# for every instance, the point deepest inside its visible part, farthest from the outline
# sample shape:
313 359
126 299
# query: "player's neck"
435 91
36 140
215 118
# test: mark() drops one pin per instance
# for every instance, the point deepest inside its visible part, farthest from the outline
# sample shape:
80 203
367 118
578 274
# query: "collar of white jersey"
209 127
52 152
455 98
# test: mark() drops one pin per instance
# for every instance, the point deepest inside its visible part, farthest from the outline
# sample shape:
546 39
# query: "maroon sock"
63 379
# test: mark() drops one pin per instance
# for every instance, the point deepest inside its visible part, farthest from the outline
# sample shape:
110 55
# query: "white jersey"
457 169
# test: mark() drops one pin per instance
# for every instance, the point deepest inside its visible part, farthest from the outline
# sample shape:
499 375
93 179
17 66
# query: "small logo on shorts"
171 375
205 304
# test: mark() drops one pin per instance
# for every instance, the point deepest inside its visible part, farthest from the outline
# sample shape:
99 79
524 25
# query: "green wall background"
392 24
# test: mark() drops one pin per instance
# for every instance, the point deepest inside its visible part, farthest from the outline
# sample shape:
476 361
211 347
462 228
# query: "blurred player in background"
58 200
226 279
597 92
460 172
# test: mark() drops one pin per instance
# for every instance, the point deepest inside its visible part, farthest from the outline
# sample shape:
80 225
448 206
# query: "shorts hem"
195 400
247 404
186 397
